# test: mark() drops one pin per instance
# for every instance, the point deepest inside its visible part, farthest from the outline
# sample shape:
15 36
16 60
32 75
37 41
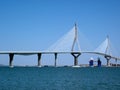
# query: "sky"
34 25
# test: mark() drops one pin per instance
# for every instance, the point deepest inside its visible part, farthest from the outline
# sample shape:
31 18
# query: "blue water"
59 78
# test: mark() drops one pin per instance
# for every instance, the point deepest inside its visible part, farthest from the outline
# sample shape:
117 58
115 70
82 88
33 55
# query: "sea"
60 78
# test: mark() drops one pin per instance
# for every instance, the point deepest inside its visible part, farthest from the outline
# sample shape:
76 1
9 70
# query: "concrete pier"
11 56
55 64
39 59
108 59
75 55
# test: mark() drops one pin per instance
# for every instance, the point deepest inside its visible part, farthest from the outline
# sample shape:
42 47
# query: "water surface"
59 78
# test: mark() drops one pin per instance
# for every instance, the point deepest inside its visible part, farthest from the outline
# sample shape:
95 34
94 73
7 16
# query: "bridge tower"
75 54
108 52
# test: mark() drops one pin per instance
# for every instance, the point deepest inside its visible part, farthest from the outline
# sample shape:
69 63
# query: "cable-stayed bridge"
68 44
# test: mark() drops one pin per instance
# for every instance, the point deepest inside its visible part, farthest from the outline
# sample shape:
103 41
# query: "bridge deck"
53 52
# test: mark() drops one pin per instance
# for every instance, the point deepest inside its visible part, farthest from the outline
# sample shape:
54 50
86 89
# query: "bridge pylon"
108 52
76 41
74 53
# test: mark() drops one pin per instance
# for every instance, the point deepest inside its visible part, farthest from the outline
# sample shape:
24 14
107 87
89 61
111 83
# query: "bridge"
68 44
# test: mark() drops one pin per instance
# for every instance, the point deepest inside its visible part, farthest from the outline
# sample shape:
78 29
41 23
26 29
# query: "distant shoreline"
79 66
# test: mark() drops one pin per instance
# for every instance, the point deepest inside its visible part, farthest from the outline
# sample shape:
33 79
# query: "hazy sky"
28 25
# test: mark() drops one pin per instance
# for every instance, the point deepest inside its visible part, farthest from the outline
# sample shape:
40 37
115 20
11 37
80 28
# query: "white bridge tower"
77 53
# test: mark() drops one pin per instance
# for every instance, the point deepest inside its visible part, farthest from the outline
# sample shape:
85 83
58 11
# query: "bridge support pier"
11 56
39 59
108 59
55 64
76 55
